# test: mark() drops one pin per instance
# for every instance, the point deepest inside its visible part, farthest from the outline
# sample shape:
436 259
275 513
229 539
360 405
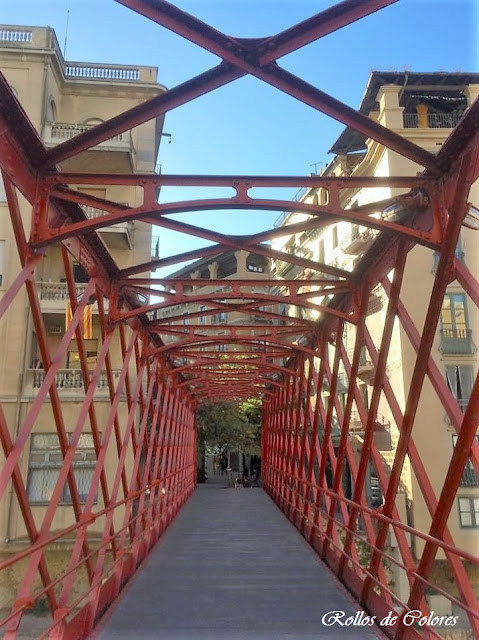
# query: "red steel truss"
146 454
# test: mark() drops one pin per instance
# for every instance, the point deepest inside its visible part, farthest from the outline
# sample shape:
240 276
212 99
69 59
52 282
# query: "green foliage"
230 426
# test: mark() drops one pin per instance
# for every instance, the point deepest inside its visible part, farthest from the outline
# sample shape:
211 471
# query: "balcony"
54 296
434 120
358 240
121 145
376 301
117 236
382 425
457 342
366 370
341 384
69 383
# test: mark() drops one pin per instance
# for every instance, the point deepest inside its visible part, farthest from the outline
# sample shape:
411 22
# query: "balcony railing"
376 301
69 382
358 240
356 426
457 342
54 296
120 227
79 70
58 291
10 35
434 120
58 132
469 476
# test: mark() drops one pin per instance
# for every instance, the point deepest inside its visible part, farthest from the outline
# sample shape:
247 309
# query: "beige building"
424 108
209 314
62 99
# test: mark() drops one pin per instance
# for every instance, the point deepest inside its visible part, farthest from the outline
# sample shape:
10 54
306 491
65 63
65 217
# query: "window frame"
474 518
463 398
452 309
50 464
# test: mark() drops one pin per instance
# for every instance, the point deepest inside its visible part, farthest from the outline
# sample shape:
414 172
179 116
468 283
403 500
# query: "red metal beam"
242 56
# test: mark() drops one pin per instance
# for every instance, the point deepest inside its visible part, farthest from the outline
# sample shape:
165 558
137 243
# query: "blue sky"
247 126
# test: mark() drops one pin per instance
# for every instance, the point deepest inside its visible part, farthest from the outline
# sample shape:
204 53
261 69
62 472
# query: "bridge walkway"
231 567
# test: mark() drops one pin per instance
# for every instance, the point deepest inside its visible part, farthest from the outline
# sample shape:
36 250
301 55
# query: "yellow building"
424 108
62 99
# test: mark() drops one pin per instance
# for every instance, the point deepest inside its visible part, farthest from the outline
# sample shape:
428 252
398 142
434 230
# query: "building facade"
64 99
424 108
212 306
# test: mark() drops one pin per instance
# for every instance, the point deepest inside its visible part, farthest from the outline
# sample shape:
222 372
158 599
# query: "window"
469 477
203 318
2 260
460 379
335 236
469 512
373 488
453 313
222 347
455 333
91 348
363 389
321 251
46 461
459 255
80 274
51 114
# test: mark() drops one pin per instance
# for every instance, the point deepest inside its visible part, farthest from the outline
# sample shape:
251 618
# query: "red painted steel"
158 361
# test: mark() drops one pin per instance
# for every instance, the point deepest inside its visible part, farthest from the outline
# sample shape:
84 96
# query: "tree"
230 426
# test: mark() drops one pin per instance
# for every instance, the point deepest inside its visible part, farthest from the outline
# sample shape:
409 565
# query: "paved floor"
230 567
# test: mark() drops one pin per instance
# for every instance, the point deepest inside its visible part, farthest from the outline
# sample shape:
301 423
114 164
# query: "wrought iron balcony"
376 301
356 426
358 240
457 342
469 477
434 120
366 370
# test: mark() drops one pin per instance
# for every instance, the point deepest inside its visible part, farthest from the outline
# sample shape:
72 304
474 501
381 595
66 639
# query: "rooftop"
44 39
431 86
